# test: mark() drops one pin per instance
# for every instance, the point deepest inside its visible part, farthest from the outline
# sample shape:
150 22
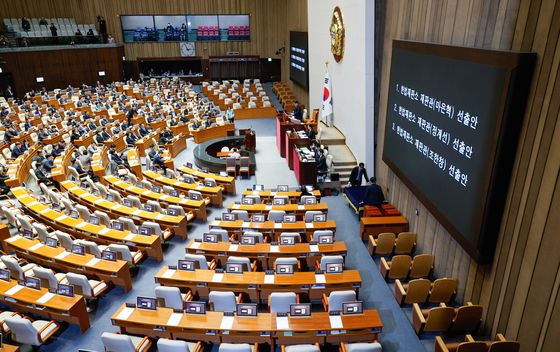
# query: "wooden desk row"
82 229
198 207
298 209
178 224
18 171
378 224
304 228
206 134
265 253
61 163
177 145
214 327
258 285
214 193
268 195
44 304
227 182
58 259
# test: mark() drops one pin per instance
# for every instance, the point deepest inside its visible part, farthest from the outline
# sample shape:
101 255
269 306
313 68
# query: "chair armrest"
418 320
325 300
501 337
198 347
342 347
384 267
371 245
189 296
49 335
469 338
240 298
254 266
469 304
256 347
212 264
440 345
317 265
282 348
142 343
400 292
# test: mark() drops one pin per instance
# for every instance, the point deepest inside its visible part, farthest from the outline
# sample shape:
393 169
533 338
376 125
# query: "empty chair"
41 230
116 195
301 348
335 299
7 314
437 319
128 224
196 193
405 243
168 190
31 333
443 290
188 177
11 216
155 205
416 291
17 271
102 189
241 214
91 247
24 222
48 278
289 261
246 263
222 234
467 318
279 302
171 297
223 301
397 268
304 199
285 199
259 238
422 266
308 217
83 211
65 239
167 345
170 174
164 235
330 259
90 289
135 201
124 253
296 236
210 182
68 205
104 219
125 343
360 347
201 260
383 245
276 215
178 209
469 345
231 166
244 165
256 198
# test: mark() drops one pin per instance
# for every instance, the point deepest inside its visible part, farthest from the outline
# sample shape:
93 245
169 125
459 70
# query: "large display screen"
299 58
453 120
185 28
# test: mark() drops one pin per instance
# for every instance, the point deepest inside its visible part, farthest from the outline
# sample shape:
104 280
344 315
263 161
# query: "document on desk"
13 238
274 249
116 206
62 255
12 291
269 279
218 277
104 230
137 212
272 193
163 197
36 246
277 225
146 192
125 313
93 261
45 298
60 218
227 323
282 323
174 319
32 203
268 207
98 200
82 224
245 224
198 188
236 206
314 248
300 207
130 236
43 211
309 225
336 321
195 245
320 279
159 216
233 247
168 273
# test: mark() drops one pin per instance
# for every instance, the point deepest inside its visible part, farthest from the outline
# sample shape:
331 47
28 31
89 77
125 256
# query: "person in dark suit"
374 194
311 133
92 126
104 134
143 130
357 174
130 138
17 150
4 189
48 163
157 159
298 113
99 139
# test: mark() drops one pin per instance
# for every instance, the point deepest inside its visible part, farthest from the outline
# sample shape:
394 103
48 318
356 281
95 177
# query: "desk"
118 141
254 113
307 283
143 143
298 209
305 228
214 193
4 231
178 144
60 308
61 164
178 224
376 225
228 182
281 128
59 259
268 195
9 348
262 328
81 229
134 162
181 128
263 253
85 140
250 142
212 132
158 125
196 206
99 162
306 171
293 140
18 171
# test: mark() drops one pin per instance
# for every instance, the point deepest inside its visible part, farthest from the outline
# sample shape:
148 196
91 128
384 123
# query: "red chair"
371 211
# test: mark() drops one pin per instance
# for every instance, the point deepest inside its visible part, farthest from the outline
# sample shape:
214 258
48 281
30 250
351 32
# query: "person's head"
372 179
361 165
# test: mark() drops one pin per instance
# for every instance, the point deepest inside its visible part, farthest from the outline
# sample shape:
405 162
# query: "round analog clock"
337 30
187 48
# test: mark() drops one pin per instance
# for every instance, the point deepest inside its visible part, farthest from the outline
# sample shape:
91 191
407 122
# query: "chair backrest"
117 342
257 198
91 247
123 252
155 205
296 236
304 199
104 219
199 258
23 331
504 346
42 232
310 214
223 301
336 298
439 319
196 193
135 201
210 181
467 319
385 243
443 290
405 243
279 302
129 224
421 266
287 260
65 239
83 211
330 259
400 266
13 266
80 283
321 233
235 347
285 198
363 347
170 296
240 260
221 233
179 209
241 214
417 291
102 189
46 276
475 346
116 195
276 215
259 238
167 345
24 222
244 161
153 225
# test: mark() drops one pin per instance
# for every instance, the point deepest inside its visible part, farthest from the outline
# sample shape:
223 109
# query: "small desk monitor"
149 207
33 282
247 310
249 240
146 231
185 265
78 249
146 303
187 180
326 239
156 189
189 165
300 310
258 218
248 201
51 242
234 268
93 220
172 212
279 201
319 217
27 233
282 188
195 196
139 184
208 183
310 201
193 307
258 188
355 307
284 269
229 217
118 225
174 193
5 275
127 203
210 237
74 214
287 240
109 197
334 268
109 255
289 218
65 290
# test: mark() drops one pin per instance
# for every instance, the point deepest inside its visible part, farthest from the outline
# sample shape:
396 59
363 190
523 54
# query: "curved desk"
298 209
228 182
219 131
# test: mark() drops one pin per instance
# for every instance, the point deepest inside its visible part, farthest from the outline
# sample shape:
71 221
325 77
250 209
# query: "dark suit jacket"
374 195
354 175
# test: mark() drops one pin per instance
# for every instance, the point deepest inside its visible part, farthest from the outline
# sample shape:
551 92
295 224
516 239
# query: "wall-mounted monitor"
299 58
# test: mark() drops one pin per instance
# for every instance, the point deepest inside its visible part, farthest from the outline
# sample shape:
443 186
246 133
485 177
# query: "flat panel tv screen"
299 62
453 121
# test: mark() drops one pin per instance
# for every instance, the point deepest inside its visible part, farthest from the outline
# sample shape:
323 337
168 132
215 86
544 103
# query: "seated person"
143 130
165 137
130 138
48 164
4 189
43 134
17 150
235 153
374 194
104 134
157 159
195 124
92 149
114 156
39 157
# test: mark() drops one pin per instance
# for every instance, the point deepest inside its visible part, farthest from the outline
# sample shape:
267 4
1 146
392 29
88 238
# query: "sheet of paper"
116 206
255 193
130 236
125 313
199 187
174 319
45 298
14 290
272 193
82 224
236 206
301 207
245 224
62 255
336 322
163 197
32 203
233 247
13 238
137 212
320 279
93 261
309 225
104 230
277 225
269 279
98 200
274 249
43 211
168 273
194 245
60 218
282 323
314 248
227 323
146 192
217 277
36 246
268 207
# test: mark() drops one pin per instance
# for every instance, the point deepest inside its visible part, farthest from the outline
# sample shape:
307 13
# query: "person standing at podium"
298 114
